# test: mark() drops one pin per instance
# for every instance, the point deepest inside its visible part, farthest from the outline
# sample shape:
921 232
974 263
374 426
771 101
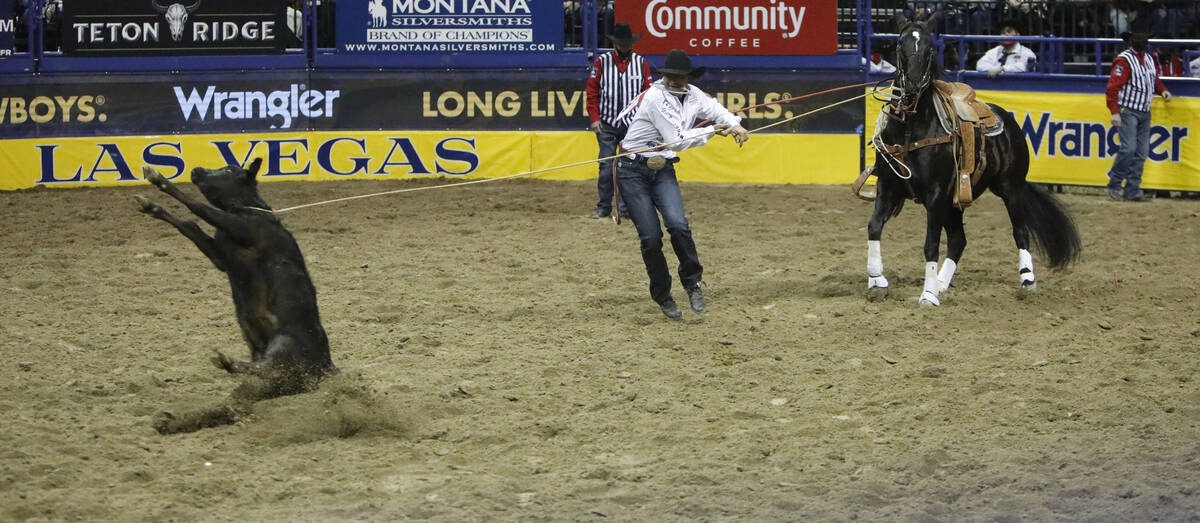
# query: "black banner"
298 100
8 26
173 27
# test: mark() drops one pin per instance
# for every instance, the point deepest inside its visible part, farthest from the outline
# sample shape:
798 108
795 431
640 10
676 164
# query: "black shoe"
696 297
1140 198
601 214
670 310
1115 194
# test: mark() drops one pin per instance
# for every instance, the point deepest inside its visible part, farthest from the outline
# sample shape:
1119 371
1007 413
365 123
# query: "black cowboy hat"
622 34
677 62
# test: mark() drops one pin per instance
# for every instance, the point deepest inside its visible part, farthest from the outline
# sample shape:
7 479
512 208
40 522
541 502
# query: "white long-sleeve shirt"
660 118
1017 60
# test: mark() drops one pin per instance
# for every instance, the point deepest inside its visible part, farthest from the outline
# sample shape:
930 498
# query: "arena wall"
75 130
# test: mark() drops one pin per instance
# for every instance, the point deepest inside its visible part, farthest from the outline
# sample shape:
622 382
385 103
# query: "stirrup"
857 186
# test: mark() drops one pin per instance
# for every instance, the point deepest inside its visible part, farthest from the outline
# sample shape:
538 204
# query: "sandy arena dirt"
502 360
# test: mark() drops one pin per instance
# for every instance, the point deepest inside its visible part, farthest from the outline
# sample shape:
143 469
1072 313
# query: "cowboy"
617 77
660 125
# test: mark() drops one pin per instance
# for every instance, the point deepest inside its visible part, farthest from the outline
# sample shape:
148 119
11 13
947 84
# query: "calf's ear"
252 169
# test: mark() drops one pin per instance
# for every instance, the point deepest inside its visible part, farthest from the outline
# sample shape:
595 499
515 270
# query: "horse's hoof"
928 300
1029 286
877 293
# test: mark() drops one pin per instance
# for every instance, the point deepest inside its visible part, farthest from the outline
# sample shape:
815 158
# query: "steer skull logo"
176 15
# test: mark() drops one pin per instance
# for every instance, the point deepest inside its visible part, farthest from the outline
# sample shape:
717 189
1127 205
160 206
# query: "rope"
578 164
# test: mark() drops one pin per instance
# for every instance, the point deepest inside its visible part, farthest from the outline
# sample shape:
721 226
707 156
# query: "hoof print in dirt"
168 423
273 295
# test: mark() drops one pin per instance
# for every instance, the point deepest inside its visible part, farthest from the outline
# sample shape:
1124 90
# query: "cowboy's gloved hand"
596 126
740 134
721 129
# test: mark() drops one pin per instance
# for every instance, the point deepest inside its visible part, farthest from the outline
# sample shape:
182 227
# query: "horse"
916 159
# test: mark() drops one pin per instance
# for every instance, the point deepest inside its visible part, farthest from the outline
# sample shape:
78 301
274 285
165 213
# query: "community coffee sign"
733 27
169 27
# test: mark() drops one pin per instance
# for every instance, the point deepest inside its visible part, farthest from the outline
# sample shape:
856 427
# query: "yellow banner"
1071 142
318 156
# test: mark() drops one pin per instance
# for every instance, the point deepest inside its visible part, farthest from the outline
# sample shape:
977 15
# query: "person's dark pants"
607 138
647 193
1131 158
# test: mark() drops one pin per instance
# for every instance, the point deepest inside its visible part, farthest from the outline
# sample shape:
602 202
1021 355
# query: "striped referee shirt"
613 84
1133 82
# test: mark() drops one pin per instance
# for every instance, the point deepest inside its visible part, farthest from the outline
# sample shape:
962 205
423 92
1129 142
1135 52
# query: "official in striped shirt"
617 77
1131 86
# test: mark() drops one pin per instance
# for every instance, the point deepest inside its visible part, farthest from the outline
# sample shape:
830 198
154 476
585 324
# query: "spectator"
879 65
51 24
295 24
1169 63
1194 67
572 23
1131 87
605 17
1008 57
1025 16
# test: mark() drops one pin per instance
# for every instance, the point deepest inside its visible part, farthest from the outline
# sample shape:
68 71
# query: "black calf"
274 297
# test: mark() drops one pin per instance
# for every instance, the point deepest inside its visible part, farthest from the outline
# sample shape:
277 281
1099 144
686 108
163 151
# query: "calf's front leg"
189 229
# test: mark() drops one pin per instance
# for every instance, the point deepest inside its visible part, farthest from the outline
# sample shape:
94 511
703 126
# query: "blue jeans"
607 138
647 193
1135 146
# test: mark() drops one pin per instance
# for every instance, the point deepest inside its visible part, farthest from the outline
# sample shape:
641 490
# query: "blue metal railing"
1051 54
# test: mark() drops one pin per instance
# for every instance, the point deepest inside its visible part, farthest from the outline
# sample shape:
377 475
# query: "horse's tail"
1047 222
1044 217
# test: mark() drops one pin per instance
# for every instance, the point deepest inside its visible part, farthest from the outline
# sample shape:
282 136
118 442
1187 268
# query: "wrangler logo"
1067 139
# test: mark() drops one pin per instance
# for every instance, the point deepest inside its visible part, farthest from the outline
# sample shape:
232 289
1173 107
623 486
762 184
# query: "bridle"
903 102
906 102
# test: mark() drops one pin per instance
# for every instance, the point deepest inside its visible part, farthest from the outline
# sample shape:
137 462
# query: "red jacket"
593 85
1117 79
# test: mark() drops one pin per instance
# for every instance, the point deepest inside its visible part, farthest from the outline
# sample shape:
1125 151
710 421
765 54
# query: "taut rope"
577 164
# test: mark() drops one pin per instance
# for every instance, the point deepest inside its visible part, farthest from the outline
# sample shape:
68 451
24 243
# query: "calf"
273 295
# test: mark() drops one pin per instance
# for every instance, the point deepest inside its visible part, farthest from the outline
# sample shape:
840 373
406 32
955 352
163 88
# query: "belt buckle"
656 162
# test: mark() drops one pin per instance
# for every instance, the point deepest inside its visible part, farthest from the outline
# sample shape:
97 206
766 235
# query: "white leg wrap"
874 259
875 266
930 294
946 274
1025 266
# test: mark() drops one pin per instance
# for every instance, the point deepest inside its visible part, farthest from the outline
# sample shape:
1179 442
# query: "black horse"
927 170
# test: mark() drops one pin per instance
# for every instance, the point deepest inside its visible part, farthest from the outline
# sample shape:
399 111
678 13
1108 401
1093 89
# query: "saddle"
967 123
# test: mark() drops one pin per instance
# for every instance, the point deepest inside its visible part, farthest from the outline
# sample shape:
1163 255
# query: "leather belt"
653 163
